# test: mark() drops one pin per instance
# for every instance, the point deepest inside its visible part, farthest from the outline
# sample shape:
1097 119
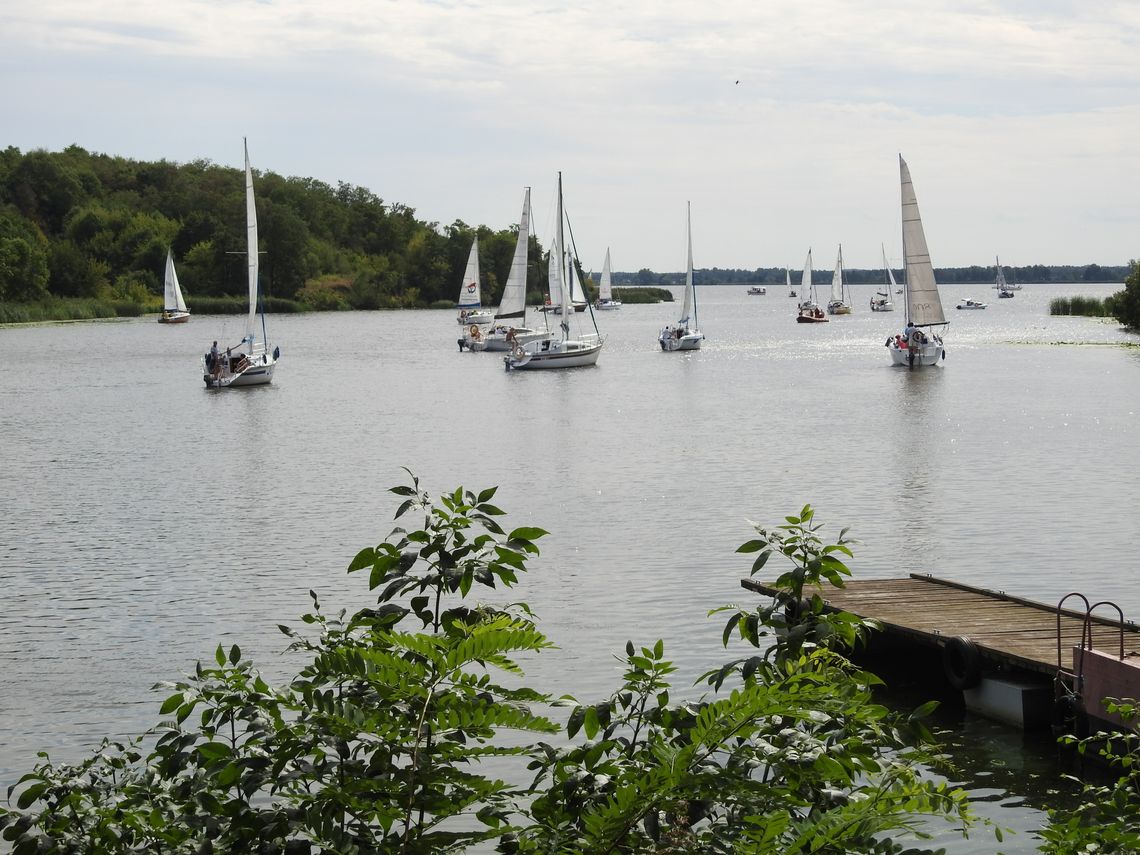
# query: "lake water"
144 519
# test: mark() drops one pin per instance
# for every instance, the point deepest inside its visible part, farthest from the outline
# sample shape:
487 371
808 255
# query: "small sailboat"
881 302
249 363
174 309
919 344
809 310
605 287
757 290
470 292
510 326
567 351
1005 290
788 281
682 335
840 303
967 303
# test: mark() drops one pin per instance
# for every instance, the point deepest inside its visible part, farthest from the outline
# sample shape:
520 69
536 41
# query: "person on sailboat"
214 365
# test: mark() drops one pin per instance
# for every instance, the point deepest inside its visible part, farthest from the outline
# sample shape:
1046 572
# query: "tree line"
80 224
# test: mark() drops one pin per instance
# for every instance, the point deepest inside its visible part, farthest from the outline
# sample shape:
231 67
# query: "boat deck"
1007 630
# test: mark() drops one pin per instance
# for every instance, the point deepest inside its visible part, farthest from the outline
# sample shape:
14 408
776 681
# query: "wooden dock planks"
1006 629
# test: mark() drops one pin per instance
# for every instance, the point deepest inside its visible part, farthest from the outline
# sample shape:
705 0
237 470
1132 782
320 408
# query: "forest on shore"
79 225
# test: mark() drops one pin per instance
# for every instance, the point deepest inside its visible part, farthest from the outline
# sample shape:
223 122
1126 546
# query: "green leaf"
219 656
170 704
28 797
751 546
402 490
235 655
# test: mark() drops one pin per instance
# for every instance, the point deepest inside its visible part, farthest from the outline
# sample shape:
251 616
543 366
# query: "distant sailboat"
788 280
881 302
684 335
809 310
605 287
470 292
840 303
174 309
252 364
920 345
1004 288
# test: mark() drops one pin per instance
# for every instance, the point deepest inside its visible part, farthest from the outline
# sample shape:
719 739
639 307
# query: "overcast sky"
781 120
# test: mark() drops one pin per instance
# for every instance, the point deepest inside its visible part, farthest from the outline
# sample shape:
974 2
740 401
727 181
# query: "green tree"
1125 305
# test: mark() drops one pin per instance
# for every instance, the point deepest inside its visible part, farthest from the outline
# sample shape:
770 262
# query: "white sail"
806 288
837 279
887 266
689 304
553 279
469 293
172 299
605 287
513 302
1000 274
923 305
252 259
577 292
788 278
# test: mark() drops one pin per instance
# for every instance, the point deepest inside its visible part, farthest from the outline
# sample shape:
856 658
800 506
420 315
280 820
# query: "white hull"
923 354
500 343
603 305
838 309
571 353
476 316
670 341
173 316
971 304
257 373
884 306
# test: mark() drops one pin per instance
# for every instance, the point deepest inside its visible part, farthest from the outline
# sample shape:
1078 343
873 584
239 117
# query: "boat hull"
838 309
539 355
258 373
174 317
810 319
916 357
476 316
500 343
671 343
886 306
604 305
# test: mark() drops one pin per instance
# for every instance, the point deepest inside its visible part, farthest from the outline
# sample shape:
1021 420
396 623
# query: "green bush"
379 744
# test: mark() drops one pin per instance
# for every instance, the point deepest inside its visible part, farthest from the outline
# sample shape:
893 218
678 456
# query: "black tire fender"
962 662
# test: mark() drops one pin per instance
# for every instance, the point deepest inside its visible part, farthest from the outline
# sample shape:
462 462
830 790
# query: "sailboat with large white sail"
568 351
174 309
809 310
605 287
250 362
920 344
471 309
881 302
840 303
510 320
686 333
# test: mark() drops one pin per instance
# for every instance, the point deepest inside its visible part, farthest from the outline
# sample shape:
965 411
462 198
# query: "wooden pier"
980 632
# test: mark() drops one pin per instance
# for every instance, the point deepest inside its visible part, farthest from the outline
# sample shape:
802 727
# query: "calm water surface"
145 519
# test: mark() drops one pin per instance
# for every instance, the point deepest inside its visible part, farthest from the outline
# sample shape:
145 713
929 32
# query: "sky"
780 122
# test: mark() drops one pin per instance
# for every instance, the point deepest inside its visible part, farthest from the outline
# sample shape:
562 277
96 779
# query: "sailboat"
682 336
174 309
788 280
564 352
470 299
881 302
249 363
809 310
605 288
510 320
919 344
840 303
1004 289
